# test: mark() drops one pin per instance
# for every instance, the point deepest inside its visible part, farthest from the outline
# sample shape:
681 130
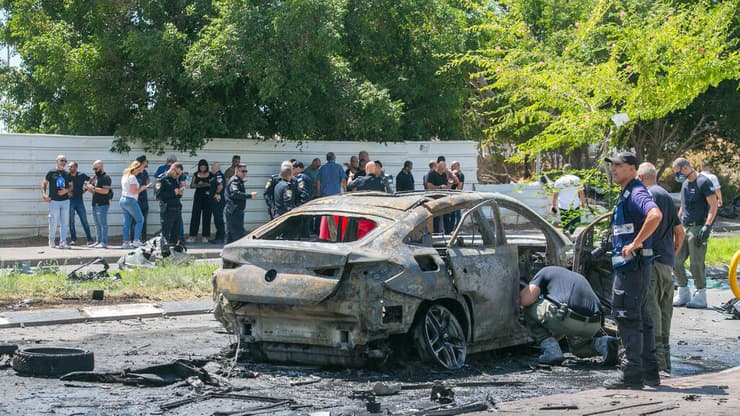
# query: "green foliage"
172 74
554 74
721 249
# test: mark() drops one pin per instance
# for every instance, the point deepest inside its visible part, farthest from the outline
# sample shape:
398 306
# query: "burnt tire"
440 338
52 361
7 349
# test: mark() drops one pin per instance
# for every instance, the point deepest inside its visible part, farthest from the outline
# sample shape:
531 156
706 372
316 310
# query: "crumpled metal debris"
154 376
153 251
442 392
93 275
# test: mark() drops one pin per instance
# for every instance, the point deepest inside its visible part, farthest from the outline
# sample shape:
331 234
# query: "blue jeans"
58 217
78 206
131 212
100 214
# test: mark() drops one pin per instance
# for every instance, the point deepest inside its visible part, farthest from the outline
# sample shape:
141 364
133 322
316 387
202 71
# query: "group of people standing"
651 240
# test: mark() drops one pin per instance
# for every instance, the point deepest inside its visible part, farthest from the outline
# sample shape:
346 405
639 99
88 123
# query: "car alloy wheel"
440 338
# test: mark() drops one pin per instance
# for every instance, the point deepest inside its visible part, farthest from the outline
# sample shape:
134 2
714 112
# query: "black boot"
625 382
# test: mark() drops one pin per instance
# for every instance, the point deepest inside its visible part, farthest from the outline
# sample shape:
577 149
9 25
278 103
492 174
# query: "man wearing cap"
404 179
636 216
698 212
236 200
144 179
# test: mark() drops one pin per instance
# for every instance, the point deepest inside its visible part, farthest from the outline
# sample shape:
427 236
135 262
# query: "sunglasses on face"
62 160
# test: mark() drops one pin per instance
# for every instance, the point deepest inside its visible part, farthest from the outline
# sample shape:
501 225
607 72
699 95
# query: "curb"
103 313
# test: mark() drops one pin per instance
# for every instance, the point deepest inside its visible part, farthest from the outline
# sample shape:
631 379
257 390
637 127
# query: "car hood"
281 272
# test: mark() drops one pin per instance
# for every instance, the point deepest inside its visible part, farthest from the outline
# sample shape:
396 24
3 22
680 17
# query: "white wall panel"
25 159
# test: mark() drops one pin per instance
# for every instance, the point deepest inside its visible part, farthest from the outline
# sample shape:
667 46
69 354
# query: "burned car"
348 279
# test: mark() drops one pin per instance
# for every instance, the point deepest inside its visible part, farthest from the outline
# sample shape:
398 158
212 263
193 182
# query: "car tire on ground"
440 338
7 349
52 361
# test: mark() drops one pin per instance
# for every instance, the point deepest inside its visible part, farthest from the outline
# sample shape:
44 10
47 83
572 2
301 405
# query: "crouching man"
560 303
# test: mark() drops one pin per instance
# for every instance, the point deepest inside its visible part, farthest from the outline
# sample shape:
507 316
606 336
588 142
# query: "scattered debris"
732 307
226 394
662 409
311 380
386 389
52 361
154 376
152 252
442 393
692 397
457 410
25 303
621 408
560 407
91 274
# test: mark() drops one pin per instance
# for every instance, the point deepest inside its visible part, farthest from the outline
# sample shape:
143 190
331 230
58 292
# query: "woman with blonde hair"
130 190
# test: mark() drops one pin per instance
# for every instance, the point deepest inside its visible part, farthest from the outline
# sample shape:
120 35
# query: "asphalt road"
704 341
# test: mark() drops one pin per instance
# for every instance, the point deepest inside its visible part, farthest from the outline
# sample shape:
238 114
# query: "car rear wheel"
440 338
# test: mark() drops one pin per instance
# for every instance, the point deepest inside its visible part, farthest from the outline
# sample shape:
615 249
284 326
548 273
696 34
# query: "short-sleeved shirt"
285 196
460 177
564 286
100 181
203 193
79 182
568 187
637 205
712 177
404 181
330 177
216 180
663 236
694 205
436 178
58 179
142 178
313 173
367 183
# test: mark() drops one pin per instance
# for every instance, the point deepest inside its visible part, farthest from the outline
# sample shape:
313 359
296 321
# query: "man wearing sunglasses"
236 200
59 185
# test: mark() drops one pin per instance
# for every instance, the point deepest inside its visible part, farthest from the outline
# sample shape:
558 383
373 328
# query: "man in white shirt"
568 198
706 170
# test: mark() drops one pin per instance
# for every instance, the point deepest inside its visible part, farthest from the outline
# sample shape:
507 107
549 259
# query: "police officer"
169 192
304 184
236 200
369 182
636 217
269 193
217 203
559 302
286 192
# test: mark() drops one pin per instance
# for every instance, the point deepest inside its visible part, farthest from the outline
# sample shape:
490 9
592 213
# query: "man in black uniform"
236 200
168 192
404 179
559 302
269 193
369 182
286 192
303 183
217 203
636 216
440 179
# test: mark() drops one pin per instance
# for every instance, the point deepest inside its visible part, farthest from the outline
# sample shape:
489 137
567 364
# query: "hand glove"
703 235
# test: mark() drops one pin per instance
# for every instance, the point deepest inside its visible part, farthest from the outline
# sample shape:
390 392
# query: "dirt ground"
703 341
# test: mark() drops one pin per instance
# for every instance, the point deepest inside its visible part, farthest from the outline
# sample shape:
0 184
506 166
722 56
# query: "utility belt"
620 260
692 223
564 312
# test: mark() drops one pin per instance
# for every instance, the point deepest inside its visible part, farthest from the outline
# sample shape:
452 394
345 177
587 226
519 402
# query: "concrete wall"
25 159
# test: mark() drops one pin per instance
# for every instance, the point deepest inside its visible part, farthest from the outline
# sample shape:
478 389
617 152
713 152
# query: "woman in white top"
130 190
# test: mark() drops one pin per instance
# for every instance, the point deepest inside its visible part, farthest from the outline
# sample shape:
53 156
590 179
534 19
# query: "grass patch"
166 282
721 250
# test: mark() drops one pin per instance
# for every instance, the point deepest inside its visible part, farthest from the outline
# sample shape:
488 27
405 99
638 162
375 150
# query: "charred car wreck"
340 280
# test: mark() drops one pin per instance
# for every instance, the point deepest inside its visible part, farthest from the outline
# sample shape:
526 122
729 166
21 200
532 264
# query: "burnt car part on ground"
51 361
153 251
349 279
92 274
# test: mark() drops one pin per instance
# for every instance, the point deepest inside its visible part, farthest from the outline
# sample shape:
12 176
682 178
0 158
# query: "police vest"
625 227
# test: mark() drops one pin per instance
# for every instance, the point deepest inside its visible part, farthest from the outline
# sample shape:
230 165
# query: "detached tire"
52 361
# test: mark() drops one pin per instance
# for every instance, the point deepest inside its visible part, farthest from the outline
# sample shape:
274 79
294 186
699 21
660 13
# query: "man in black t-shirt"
441 178
77 204
559 302
698 212
404 179
100 187
59 185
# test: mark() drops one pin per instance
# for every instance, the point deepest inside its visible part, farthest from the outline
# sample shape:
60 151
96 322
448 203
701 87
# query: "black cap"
623 157
298 164
379 163
408 163
141 159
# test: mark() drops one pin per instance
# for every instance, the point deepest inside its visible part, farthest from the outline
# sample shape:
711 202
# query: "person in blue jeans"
130 190
77 204
59 189
100 187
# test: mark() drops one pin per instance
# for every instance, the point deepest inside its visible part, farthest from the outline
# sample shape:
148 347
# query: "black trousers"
171 226
201 210
629 308
234 225
217 208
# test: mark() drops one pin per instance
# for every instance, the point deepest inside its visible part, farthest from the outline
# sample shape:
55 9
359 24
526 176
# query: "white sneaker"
51 244
126 245
699 300
137 243
101 245
93 245
682 297
63 245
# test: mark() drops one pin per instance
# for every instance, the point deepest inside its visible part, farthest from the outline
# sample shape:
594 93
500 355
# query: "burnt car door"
485 271
592 257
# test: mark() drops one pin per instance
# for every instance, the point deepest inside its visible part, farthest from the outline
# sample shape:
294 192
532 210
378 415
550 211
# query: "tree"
552 80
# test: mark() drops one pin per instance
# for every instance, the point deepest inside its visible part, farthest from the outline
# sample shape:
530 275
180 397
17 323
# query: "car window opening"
321 228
